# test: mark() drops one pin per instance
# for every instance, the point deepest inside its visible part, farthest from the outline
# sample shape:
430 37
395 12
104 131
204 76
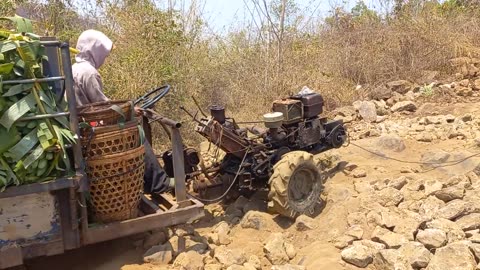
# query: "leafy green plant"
31 151
427 90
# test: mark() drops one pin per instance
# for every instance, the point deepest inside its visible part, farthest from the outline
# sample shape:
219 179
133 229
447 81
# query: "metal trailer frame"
161 210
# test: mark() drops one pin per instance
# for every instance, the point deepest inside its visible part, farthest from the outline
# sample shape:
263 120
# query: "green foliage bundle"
31 151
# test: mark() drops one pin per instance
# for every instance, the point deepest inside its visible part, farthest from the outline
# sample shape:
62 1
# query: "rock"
288 267
391 142
416 254
398 183
290 250
380 93
400 86
368 111
356 218
358 255
404 106
388 197
391 259
255 220
455 256
450 193
304 223
407 226
430 207
424 137
275 249
467 117
359 173
432 238
190 260
196 244
469 222
236 267
390 239
452 210
355 231
372 246
432 186
155 238
255 262
159 255
178 244
343 241
453 230
228 257
255 205
347 114
431 158
213 267
184 230
222 229
475 247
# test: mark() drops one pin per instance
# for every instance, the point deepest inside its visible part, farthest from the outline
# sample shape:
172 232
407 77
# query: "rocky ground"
405 194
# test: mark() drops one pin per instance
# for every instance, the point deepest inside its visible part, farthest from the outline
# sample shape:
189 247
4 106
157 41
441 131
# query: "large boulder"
368 111
391 142
430 206
388 197
416 254
256 220
455 256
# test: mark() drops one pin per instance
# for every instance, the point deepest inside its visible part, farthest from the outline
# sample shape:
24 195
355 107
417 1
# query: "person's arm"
94 89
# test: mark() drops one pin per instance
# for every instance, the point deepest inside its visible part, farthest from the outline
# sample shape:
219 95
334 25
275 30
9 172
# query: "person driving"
94 47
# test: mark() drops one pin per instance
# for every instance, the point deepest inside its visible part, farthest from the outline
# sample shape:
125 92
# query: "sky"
222 14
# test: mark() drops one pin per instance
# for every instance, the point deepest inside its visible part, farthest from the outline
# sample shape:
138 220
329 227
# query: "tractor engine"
293 125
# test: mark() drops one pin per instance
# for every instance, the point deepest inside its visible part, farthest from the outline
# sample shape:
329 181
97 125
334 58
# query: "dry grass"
243 72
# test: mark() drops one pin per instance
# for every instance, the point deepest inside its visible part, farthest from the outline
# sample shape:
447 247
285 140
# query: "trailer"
49 218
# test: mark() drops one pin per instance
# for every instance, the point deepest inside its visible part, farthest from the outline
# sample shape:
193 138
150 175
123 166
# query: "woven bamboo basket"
109 140
102 113
116 184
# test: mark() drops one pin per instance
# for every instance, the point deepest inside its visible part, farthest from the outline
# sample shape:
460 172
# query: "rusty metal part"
224 138
292 110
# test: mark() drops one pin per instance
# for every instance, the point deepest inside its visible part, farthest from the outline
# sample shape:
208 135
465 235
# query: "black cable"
447 163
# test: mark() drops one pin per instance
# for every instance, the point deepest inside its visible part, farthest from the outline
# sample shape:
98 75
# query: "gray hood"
94 47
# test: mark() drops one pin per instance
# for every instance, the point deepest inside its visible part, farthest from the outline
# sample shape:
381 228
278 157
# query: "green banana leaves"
31 151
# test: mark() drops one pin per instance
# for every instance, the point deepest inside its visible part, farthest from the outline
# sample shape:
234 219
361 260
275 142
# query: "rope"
442 164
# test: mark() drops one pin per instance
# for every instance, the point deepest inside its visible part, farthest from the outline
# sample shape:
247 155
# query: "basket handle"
119 110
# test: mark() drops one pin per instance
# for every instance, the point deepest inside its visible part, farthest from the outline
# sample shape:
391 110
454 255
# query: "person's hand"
138 111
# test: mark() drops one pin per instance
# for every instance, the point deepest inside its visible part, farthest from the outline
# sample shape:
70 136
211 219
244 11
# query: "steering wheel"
148 100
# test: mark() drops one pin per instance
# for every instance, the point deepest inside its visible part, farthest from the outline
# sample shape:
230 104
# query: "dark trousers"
155 178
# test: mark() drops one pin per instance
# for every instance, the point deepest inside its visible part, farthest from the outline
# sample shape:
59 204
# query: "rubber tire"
278 196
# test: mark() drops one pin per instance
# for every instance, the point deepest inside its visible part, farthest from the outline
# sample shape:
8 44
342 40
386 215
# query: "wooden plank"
148 207
28 218
68 218
61 183
142 224
10 256
43 249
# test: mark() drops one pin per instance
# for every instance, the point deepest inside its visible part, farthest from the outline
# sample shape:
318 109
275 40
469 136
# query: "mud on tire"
295 186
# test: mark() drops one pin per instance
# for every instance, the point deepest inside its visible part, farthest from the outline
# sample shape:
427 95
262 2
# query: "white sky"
221 14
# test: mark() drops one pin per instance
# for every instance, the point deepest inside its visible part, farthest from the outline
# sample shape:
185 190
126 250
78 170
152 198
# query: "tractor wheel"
295 186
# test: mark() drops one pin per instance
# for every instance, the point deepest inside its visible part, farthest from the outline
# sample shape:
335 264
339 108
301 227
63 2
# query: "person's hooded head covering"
94 47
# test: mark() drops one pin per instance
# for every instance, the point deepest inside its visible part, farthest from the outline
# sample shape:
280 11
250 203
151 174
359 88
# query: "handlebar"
146 102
